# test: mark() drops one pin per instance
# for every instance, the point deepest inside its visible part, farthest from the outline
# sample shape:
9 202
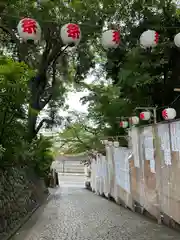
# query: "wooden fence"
145 176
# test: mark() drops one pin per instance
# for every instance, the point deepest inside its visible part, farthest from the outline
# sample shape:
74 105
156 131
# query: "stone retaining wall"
21 191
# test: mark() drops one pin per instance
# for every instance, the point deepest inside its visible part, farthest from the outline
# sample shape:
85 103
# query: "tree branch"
14 39
91 130
44 60
78 138
42 104
45 120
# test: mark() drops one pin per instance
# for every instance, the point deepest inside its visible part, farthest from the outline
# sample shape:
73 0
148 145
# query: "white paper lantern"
116 144
29 30
169 113
110 143
110 39
123 124
177 40
105 142
134 120
71 34
145 115
149 38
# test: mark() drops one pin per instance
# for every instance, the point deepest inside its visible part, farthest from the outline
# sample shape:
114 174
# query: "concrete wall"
147 178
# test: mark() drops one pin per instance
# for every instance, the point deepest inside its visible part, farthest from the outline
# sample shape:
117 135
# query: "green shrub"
41 155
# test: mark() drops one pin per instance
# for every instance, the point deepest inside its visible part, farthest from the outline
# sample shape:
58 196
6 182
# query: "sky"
73 100
74 103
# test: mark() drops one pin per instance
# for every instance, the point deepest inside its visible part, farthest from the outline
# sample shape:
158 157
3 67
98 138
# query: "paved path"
73 213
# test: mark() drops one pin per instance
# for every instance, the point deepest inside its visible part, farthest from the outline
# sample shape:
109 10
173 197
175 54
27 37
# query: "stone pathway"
73 213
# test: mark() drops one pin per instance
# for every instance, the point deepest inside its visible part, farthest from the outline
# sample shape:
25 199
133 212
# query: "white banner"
122 167
148 146
135 146
163 132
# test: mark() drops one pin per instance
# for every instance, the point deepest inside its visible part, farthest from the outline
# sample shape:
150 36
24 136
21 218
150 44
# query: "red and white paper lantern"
145 115
169 113
123 124
110 39
149 39
29 30
71 34
177 40
134 120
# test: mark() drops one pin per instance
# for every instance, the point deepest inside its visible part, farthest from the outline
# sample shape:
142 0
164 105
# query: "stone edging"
25 219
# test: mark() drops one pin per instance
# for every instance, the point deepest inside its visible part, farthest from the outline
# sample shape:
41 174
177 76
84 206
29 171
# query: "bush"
14 97
41 156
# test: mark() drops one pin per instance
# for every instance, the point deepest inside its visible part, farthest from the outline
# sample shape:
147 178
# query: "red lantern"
149 38
123 124
29 30
110 39
145 116
169 113
71 34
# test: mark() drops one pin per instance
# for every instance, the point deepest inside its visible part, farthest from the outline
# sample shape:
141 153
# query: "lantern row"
30 30
167 114
110 143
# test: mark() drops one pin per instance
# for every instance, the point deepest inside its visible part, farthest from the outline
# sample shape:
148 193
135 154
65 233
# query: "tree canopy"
139 77
129 76
125 78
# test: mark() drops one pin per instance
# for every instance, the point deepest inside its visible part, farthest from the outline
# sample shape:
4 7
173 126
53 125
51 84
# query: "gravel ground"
73 213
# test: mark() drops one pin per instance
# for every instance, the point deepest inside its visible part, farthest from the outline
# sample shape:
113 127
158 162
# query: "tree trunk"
33 108
32 119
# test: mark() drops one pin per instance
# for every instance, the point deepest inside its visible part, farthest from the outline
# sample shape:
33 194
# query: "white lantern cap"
134 120
149 39
169 113
110 39
123 124
177 40
145 115
29 30
116 144
71 34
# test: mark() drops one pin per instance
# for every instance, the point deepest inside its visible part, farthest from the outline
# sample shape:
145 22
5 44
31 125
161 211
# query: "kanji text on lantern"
116 37
29 25
73 31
